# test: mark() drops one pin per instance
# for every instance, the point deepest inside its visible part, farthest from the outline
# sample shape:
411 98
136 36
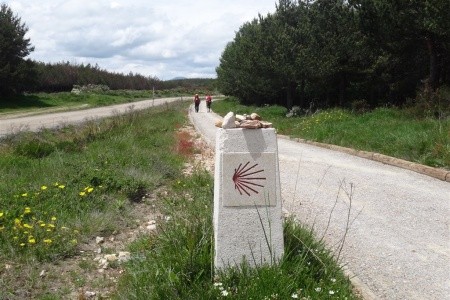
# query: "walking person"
208 102
196 102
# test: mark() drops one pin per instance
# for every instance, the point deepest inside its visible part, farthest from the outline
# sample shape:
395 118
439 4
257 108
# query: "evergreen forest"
344 53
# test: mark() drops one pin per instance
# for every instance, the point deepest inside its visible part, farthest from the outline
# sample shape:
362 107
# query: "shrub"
35 148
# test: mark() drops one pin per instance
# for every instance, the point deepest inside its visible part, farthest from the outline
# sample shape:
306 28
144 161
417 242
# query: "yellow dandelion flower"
64 228
43 225
82 194
43 188
24 195
61 186
49 230
27 210
53 218
15 238
32 241
48 241
89 190
17 222
50 225
56 184
27 226
74 241
1 214
22 244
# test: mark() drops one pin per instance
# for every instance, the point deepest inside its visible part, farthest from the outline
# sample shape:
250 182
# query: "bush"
35 148
430 104
360 106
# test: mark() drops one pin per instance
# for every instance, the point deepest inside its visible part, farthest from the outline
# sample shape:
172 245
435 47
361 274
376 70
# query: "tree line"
59 77
338 52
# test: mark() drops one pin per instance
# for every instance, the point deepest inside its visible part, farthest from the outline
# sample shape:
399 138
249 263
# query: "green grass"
177 262
58 187
389 131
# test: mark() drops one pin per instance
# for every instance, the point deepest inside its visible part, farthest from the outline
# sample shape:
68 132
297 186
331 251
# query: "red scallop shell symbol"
244 181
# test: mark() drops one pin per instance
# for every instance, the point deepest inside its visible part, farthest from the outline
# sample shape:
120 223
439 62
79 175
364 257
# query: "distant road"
10 124
398 237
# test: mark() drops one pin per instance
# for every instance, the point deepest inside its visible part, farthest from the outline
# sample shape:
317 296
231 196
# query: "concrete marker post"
248 225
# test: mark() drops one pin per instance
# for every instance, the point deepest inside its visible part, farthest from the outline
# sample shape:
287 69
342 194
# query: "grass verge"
389 131
58 189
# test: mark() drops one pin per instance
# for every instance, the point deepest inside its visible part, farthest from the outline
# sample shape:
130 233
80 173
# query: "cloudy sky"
162 38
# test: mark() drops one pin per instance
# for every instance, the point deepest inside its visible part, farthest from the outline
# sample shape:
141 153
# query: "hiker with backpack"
208 102
196 102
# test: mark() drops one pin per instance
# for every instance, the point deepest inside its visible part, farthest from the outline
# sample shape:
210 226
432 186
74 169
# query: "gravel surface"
388 226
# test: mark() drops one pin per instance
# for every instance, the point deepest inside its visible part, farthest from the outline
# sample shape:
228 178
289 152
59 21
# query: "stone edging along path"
426 170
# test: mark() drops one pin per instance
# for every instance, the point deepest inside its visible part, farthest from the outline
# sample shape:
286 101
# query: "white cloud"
155 38
115 5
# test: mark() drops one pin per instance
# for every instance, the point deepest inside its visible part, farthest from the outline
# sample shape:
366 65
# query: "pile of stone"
90 88
110 259
252 121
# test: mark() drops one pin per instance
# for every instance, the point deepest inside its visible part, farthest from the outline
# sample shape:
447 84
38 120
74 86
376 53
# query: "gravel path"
395 222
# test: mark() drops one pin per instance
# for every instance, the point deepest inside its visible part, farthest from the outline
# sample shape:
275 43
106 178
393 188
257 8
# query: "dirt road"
394 222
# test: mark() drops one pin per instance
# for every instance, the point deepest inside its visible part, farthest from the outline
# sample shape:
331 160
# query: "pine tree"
16 73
